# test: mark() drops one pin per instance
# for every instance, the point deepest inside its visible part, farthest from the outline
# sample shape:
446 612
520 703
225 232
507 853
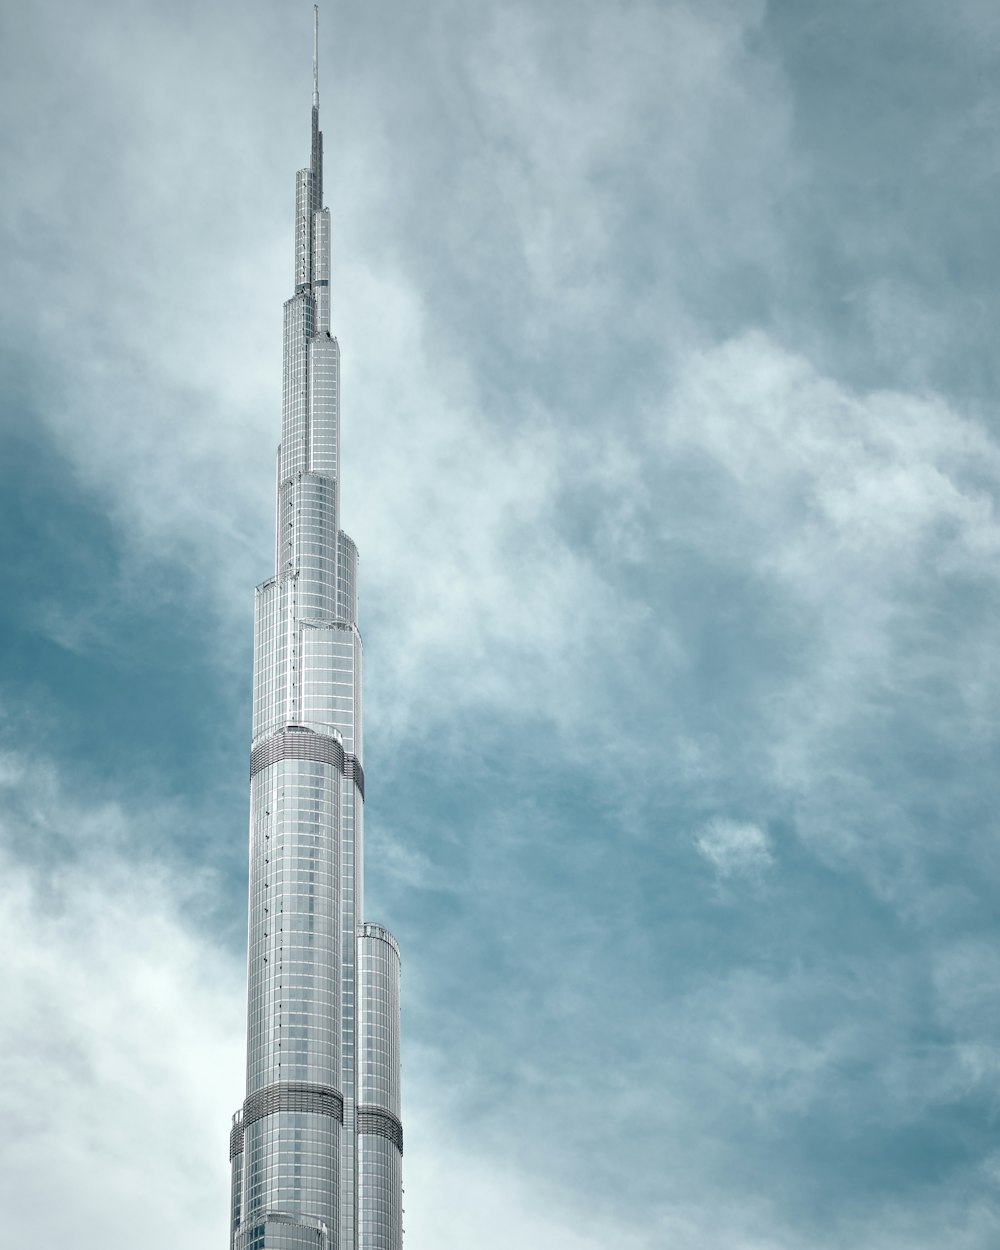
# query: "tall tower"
317 1146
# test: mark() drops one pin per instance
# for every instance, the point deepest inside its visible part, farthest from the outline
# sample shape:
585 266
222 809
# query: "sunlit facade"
317 1146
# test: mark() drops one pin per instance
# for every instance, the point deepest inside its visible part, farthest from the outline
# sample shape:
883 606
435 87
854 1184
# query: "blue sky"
673 456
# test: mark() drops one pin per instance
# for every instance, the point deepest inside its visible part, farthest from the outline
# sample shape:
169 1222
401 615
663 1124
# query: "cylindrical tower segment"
380 1131
236 1172
293 1031
313 518
298 329
324 399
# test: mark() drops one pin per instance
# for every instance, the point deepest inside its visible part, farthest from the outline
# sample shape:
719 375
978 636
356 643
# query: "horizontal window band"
377 1122
236 1140
301 1096
306 744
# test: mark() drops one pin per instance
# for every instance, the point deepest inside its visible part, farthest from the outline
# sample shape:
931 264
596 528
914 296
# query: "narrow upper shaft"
315 56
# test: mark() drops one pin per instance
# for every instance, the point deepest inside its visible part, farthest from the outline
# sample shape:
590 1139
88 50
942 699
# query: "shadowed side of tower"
316 1148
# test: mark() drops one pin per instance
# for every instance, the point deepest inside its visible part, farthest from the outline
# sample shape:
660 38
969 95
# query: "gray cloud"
675 487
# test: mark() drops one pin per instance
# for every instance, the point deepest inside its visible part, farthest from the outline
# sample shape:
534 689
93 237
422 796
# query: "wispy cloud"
669 447
735 849
121 1029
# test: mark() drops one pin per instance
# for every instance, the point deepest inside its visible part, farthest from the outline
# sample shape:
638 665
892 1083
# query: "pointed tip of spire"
315 56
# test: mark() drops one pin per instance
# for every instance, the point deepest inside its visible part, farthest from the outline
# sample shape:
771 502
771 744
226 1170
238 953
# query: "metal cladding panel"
301 1096
316 146
327 680
285 540
284 1232
299 314
269 660
380 1132
299 743
347 579
312 522
321 269
236 1190
359 719
378 1019
293 1026
351 844
324 405
292 1164
305 190
376 1122
380 1194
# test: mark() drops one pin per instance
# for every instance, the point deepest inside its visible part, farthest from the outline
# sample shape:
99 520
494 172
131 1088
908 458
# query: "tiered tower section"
316 1148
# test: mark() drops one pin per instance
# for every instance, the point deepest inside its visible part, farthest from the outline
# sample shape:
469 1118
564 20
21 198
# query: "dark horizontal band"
377 1122
255 1233
236 1140
293 1096
306 744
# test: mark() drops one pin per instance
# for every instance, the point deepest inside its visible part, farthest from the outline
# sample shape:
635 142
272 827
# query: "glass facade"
316 1148
380 1132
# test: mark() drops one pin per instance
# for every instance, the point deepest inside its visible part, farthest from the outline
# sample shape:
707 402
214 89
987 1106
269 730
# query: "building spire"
316 157
315 56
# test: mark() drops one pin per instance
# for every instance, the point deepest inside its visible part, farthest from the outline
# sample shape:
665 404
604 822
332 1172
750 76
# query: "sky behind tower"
672 452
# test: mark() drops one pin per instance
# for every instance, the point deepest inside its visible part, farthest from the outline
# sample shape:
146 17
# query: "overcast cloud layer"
672 451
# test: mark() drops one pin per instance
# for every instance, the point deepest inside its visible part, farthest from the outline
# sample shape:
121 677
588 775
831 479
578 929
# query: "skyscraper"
316 1148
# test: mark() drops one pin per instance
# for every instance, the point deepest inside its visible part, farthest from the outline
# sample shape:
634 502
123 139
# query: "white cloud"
162 348
457 1196
868 520
735 849
121 1027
